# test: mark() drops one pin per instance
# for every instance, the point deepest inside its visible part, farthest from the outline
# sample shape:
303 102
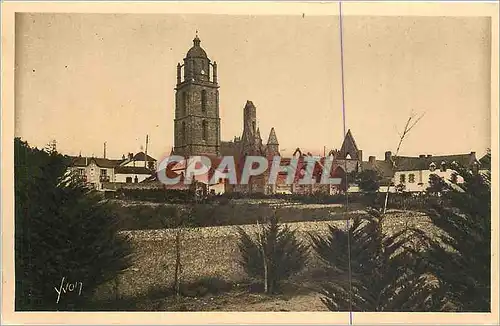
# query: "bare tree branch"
410 123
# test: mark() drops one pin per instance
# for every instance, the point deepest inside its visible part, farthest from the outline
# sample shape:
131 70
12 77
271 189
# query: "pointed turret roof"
249 104
257 134
272 140
349 146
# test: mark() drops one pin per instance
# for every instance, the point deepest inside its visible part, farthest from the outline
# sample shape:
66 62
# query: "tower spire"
272 140
196 40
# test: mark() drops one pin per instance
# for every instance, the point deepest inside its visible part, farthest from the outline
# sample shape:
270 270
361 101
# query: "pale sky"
86 79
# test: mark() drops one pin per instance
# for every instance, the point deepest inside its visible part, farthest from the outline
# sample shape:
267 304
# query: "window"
151 165
184 103
80 171
204 130
104 172
203 101
402 178
136 180
183 131
411 178
128 180
432 167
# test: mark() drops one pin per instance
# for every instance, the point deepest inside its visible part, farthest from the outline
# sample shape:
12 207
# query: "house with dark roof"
485 163
413 173
100 171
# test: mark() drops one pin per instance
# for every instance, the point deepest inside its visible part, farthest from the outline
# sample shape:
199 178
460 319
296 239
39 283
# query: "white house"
98 171
414 172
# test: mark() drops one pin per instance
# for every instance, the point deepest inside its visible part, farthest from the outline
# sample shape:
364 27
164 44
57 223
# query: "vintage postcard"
243 162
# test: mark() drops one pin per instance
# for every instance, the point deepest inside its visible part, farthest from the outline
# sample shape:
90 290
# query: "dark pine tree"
275 250
376 272
460 257
63 229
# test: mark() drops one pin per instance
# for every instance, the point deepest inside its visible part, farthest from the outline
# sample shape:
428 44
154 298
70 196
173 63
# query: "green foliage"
437 185
400 188
370 271
368 181
153 195
62 229
461 257
284 254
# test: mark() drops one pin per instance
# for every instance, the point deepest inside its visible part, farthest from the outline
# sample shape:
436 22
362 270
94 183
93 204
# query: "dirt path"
243 301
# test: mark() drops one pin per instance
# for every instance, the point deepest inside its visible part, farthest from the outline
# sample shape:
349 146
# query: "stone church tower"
251 141
197 121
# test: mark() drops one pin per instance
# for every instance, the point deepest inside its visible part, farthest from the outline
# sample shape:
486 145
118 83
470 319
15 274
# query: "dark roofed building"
413 173
141 156
485 162
79 161
383 168
423 162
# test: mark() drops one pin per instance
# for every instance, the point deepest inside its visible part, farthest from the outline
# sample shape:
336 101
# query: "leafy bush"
437 185
370 271
153 195
62 230
273 255
368 181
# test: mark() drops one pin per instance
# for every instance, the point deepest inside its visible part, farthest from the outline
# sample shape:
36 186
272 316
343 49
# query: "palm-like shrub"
273 254
62 229
370 271
461 257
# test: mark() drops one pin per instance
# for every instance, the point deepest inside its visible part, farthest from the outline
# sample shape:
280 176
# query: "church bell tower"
197 121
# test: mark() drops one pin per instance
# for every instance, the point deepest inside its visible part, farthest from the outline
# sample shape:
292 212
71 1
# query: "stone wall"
211 252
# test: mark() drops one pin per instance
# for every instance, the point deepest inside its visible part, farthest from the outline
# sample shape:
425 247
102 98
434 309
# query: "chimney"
388 156
104 150
130 156
371 159
360 155
429 155
473 154
421 156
